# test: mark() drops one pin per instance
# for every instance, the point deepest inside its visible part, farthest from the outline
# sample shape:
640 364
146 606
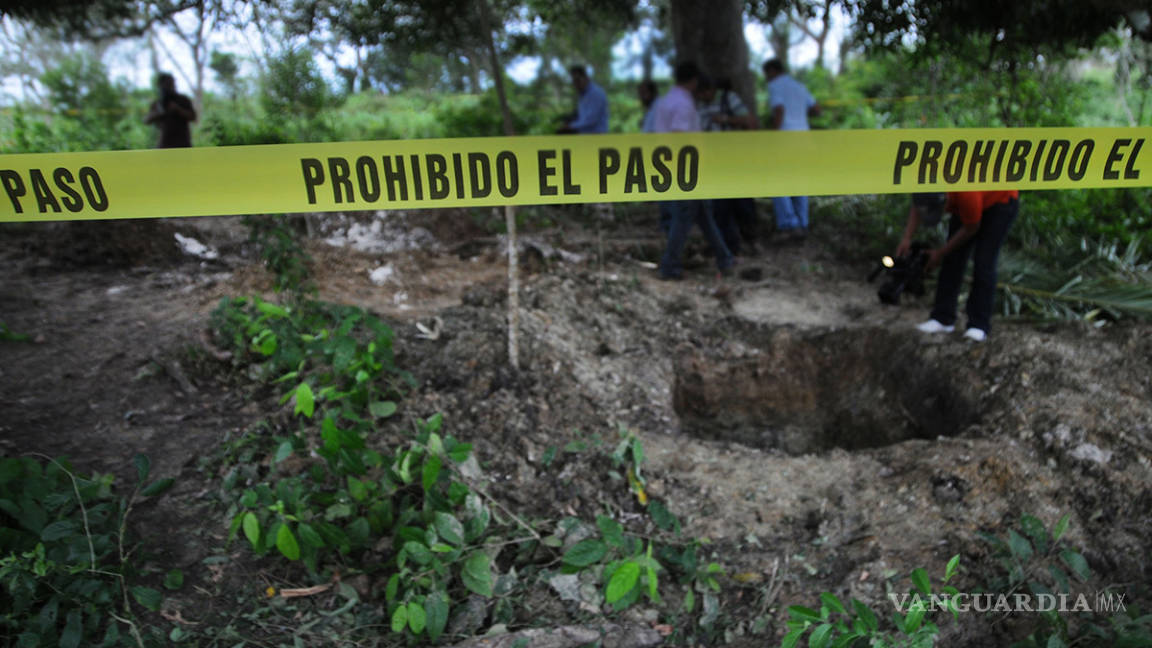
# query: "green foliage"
341 352
631 567
227 70
1092 282
88 112
8 335
282 253
64 579
1035 558
293 86
836 625
412 503
410 508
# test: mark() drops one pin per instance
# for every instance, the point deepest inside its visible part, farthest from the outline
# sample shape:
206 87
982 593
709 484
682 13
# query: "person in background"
980 223
172 113
647 92
722 110
591 118
791 105
675 112
592 106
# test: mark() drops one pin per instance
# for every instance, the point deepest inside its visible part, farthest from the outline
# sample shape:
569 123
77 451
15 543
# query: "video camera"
906 273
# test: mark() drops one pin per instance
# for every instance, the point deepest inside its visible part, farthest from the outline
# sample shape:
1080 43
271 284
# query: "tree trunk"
509 211
712 35
821 36
781 40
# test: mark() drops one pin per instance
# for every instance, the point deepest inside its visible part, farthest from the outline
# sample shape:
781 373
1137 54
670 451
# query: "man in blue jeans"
791 105
979 225
676 112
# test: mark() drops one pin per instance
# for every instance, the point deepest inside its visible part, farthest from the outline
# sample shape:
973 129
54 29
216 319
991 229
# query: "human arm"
182 107
777 118
910 228
968 207
966 231
155 112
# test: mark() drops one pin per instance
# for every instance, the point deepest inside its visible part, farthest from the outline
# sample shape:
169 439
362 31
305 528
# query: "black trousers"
736 220
984 247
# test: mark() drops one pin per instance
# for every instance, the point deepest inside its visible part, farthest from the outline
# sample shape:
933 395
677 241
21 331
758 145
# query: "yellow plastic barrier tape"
408 174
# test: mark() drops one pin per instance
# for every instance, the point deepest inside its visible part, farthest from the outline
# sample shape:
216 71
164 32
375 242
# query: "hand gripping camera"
904 273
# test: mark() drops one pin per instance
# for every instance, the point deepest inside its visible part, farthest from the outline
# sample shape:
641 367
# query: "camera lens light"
888 262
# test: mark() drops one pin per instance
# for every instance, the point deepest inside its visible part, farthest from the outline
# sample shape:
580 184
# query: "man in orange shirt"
979 225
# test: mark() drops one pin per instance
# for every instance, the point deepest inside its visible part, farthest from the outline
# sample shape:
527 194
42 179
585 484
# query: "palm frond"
1094 281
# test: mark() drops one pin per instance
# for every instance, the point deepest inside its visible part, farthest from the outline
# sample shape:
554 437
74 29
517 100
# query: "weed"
65 574
412 516
835 625
282 254
1040 560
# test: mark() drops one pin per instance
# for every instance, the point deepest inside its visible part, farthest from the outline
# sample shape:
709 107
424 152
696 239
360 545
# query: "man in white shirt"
791 105
676 112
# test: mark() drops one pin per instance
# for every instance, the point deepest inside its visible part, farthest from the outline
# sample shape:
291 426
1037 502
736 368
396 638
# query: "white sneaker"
932 326
975 334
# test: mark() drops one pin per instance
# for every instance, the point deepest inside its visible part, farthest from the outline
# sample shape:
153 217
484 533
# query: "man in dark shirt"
171 113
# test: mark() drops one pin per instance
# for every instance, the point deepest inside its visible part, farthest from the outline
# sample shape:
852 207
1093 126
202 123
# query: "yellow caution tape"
409 174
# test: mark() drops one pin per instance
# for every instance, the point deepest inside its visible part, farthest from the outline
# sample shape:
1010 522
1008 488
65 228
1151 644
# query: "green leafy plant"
411 508
65 574
332 498
834 625
282 253
1039 560
634 565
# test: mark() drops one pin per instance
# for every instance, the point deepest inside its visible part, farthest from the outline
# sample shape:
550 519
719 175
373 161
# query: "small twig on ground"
83 509
772 590
174 370
483 493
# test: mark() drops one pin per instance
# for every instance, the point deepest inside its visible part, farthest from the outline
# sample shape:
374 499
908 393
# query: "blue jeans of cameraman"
678 216
984 247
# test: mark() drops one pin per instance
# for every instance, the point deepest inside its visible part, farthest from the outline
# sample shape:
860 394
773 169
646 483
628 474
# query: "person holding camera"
171 113
721 109
979 224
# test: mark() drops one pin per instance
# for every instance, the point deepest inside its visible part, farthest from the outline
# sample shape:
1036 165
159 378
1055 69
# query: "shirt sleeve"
968 205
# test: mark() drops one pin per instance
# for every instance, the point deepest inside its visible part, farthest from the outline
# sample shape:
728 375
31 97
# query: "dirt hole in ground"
809 391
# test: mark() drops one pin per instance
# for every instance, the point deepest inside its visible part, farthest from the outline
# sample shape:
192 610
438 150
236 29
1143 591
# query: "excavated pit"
806 391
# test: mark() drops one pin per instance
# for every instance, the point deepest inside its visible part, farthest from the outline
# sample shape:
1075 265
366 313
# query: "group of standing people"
979 225
698 103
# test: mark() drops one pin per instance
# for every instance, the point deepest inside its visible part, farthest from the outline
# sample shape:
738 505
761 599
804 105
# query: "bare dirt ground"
810 435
